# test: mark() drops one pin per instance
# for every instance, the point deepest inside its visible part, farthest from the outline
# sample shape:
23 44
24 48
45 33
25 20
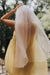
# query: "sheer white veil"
41 37
23 15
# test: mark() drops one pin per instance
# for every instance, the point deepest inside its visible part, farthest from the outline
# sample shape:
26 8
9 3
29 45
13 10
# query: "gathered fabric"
26 24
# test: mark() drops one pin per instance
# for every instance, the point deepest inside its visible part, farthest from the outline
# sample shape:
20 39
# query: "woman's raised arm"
10 23
4 19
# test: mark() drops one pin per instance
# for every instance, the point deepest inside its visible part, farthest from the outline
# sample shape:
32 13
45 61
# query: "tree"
24 1
5 31
45 20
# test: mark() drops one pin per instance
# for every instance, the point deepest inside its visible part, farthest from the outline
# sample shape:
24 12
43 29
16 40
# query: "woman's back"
37 67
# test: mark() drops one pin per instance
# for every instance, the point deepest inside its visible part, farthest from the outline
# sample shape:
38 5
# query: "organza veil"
23 23
41 36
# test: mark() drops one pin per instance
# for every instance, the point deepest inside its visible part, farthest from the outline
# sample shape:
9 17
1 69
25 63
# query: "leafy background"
41 9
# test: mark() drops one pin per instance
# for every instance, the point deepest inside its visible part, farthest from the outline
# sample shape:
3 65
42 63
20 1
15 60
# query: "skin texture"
39 64
5 20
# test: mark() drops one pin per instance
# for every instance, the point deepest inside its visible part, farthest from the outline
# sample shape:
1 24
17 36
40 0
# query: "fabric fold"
24 21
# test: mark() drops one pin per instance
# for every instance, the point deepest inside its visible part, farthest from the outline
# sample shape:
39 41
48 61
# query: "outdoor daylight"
24 37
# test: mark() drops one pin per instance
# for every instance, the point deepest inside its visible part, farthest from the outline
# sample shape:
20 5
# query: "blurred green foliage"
6 32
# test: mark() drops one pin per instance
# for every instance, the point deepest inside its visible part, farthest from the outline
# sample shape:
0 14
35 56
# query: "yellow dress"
37 67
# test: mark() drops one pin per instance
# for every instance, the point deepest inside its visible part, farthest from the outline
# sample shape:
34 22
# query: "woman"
26 52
